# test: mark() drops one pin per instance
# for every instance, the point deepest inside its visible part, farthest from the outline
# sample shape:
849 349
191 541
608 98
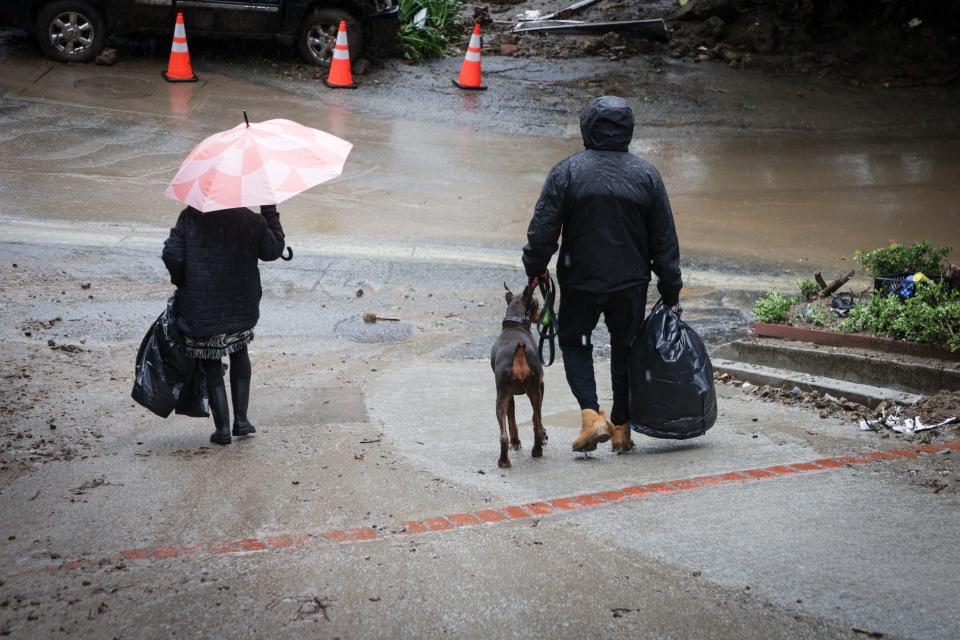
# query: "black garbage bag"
166 379
671 379
193 400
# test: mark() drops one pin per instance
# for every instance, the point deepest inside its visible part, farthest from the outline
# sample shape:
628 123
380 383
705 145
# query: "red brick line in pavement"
514 512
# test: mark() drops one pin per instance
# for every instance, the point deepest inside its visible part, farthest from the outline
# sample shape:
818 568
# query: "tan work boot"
620 437
593 430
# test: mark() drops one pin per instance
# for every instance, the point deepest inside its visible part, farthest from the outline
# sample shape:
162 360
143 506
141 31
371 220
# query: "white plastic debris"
916 425
902 424
420 19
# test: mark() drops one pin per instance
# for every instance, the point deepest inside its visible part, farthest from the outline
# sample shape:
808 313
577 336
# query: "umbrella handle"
289 255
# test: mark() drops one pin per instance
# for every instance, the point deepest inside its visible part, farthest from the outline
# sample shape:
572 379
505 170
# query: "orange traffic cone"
179 69
470 71
340 76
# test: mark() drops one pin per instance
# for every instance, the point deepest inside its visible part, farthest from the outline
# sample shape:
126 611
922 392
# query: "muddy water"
77 144
809 202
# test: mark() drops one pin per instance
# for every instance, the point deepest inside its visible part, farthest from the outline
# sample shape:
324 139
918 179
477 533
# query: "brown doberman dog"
518 371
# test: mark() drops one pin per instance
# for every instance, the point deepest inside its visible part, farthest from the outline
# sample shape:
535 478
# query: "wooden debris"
371 318
831 288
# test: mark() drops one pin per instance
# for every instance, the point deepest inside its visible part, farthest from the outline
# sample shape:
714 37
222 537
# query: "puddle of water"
798 202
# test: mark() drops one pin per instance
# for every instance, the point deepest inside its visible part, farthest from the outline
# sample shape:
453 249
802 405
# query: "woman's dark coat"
212 258
612 211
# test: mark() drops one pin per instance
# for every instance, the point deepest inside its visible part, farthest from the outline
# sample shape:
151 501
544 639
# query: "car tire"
318 34
71 30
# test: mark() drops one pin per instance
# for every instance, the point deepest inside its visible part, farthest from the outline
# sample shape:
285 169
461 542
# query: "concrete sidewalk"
369 503
785 556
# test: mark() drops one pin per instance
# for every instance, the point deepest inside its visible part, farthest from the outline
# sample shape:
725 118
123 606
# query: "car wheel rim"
321 39
71 33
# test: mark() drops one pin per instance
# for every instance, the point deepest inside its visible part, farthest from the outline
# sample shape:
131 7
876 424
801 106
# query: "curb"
854 340
864 394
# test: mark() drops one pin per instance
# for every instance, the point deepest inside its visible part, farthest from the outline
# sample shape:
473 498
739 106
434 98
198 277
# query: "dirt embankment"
892 43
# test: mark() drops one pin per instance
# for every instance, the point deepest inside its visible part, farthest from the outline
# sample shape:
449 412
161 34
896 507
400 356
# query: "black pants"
623 313
239 368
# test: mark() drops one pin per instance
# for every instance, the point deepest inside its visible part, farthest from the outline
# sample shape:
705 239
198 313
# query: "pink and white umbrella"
256 164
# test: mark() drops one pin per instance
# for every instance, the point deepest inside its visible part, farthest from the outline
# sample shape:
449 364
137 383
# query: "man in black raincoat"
611 211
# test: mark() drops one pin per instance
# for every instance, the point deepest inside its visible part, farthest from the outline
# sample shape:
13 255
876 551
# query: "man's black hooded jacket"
612 209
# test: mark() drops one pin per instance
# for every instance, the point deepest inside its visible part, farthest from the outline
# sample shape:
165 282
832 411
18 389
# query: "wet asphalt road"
117 524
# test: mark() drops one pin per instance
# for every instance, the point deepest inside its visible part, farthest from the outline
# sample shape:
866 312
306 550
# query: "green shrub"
931 315
898 258
773 307
875 316
808 288
812 314
430 38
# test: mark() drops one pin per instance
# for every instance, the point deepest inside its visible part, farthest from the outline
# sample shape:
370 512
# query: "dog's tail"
521 368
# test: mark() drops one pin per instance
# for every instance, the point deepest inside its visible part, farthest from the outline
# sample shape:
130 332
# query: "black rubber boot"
240 392
220 411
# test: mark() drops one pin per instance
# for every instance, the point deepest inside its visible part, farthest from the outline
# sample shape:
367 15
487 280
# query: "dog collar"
520 319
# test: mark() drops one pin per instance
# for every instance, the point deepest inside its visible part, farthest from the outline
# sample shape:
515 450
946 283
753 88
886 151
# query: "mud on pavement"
119 524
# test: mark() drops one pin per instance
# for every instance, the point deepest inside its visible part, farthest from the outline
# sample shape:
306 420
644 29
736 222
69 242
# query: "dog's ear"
508 295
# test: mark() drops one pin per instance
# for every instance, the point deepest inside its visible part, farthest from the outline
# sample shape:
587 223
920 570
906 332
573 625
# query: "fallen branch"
820 281
371 318
836 284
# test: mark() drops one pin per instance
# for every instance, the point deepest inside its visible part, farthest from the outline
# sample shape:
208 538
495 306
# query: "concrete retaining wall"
915 375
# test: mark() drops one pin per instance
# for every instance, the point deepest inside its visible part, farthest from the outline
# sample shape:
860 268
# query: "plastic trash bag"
166 379
193 400
671 379
842 304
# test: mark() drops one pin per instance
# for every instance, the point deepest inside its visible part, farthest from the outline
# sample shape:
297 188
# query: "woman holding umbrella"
212 259
213 251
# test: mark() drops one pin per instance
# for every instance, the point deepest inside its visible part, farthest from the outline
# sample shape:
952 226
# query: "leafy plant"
427 37
898 258
772 307
932 315
813 314
808 288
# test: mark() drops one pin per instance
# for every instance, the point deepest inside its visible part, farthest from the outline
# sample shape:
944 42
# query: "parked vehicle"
77 30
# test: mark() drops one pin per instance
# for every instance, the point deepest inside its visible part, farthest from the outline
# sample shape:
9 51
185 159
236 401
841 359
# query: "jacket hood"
607 124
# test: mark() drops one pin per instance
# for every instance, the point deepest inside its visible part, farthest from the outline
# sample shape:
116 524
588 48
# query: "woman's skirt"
218 346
